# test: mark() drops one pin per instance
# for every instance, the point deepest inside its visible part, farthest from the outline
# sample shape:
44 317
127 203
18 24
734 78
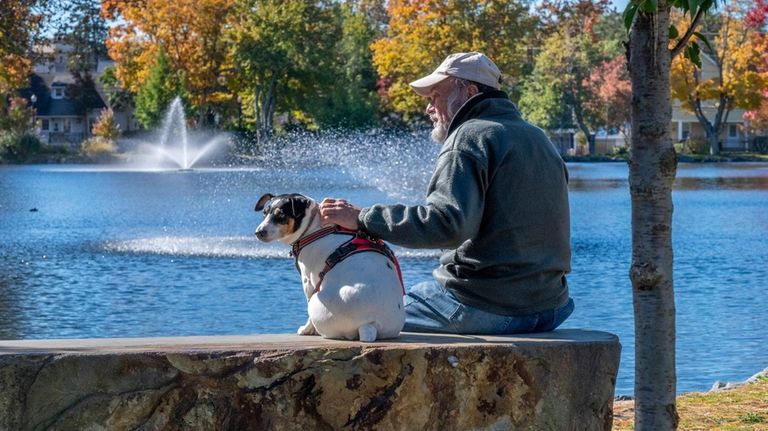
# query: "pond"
105 251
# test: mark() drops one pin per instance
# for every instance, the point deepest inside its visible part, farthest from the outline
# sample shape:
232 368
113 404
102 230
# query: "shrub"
695 145
18 147
98 148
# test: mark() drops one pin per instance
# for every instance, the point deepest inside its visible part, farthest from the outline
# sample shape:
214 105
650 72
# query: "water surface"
132 253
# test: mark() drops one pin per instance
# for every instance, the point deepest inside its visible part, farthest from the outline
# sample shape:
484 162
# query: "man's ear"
472 89
263 201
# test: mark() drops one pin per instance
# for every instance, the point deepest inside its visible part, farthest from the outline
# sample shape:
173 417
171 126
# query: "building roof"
47 106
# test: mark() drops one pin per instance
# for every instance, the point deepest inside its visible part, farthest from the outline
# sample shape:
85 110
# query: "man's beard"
439 132
440 129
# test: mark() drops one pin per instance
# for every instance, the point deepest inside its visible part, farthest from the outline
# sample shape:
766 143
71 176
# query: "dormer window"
58 92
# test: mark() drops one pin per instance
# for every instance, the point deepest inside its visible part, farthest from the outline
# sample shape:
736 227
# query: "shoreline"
681 158
742 406
717 386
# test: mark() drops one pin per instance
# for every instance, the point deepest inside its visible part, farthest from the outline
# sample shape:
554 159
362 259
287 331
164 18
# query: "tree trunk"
651 174
713 141
270 102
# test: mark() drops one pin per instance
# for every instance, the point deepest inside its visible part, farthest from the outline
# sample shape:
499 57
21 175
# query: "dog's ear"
263 201
299 204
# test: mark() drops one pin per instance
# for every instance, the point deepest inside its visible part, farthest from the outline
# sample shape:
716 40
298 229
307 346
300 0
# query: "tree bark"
651 174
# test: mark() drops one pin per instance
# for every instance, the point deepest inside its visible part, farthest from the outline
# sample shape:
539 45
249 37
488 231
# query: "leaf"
692 53
704 39
673 33
650 6
629 15
693 6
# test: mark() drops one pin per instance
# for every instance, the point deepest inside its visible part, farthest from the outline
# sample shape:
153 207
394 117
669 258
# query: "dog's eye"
279 217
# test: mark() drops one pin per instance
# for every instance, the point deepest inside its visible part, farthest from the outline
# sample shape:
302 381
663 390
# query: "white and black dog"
353 283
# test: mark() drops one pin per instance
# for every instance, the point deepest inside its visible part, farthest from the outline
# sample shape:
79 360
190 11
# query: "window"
55 126
733 131
44 125
58 93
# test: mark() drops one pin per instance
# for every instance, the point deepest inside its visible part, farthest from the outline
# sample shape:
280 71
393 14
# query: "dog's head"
286 217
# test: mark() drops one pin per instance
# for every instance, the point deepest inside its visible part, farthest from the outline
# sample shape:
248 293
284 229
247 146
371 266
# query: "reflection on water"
746 176
118 253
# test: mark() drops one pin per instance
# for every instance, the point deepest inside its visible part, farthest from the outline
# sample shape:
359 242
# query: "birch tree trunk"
651 173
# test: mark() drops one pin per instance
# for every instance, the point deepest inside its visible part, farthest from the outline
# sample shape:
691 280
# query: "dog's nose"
261 233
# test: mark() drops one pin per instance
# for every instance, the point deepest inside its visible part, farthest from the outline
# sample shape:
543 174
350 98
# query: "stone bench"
560 380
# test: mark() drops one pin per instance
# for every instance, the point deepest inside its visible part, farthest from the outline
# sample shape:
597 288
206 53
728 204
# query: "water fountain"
175 148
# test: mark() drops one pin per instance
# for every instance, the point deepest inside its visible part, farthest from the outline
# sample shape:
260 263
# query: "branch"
687 36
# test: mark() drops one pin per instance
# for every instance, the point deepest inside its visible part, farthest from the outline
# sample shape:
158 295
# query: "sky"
619 4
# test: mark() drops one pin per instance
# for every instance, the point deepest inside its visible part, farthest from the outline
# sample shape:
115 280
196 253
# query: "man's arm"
452 214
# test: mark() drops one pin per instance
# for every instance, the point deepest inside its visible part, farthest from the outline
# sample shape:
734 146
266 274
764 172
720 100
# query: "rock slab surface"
562 380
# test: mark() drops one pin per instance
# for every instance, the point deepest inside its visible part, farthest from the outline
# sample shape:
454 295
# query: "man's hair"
481 88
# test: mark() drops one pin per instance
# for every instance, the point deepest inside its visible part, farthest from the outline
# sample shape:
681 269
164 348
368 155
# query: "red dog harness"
358 243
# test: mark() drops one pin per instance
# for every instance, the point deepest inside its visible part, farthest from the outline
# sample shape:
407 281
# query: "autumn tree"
582 44
15 18
608 84
188 31
20 25
652 169
105 130
421 33
757 19
736 82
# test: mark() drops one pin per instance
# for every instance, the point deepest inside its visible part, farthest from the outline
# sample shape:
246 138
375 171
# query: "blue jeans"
429 307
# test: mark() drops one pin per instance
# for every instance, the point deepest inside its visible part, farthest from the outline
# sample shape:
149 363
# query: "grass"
744 408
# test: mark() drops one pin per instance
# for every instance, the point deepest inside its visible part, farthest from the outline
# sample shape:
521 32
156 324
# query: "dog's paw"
308 329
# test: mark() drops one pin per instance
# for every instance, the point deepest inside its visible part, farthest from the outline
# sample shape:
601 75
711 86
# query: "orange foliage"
17 22
731 70
188 30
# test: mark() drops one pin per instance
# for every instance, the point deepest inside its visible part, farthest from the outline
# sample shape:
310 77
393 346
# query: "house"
59 118
685 125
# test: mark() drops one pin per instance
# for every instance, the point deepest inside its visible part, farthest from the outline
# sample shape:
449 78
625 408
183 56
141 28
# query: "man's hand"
340 212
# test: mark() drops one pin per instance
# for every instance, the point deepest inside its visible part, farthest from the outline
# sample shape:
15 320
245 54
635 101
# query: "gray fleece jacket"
497 204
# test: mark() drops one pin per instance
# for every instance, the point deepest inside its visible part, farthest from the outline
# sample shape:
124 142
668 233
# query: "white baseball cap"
472 66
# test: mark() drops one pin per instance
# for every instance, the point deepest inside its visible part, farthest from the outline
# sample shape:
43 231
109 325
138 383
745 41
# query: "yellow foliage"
421 33
188 30
729 70
106 127
98 148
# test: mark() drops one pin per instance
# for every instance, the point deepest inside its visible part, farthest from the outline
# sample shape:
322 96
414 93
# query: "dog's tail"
367 333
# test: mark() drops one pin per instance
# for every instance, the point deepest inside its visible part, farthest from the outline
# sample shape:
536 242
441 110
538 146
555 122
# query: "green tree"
352 100
86 30
281 55
161 87
118 97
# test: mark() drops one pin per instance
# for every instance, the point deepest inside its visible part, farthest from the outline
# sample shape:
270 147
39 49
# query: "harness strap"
359 243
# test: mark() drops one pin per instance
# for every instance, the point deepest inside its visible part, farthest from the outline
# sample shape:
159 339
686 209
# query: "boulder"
561 380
